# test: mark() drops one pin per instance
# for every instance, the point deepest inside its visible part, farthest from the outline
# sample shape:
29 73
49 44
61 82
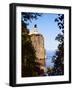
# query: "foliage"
28 17
49 71
28 51
58 58
28 56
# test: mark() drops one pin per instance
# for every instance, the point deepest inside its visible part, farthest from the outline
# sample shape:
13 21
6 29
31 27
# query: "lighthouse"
38 44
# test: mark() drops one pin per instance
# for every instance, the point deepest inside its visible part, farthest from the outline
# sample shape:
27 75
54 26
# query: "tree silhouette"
58 58
28 51
28 17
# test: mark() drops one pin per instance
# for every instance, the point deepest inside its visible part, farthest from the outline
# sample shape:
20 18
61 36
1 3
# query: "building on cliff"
38 44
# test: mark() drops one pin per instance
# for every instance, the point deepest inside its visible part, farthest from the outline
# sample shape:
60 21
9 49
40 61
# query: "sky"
47 26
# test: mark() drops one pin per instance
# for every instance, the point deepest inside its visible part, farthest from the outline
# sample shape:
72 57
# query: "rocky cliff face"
38 44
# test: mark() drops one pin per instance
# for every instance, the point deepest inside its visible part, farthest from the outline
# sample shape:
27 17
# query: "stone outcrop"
38 44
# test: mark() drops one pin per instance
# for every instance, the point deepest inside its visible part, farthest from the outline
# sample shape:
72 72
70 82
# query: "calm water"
49 55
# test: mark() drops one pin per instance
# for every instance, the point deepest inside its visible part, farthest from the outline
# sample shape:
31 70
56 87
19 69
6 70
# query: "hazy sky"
48 28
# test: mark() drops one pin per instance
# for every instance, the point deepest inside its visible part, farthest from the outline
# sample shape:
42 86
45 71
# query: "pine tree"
58 58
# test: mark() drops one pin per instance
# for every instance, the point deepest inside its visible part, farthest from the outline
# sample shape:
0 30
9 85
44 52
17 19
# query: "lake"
49 55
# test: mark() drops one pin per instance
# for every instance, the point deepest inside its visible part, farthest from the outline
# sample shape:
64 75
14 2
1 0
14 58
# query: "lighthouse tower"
38 44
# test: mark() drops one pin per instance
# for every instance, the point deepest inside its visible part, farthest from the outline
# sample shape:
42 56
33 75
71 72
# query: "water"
49 55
